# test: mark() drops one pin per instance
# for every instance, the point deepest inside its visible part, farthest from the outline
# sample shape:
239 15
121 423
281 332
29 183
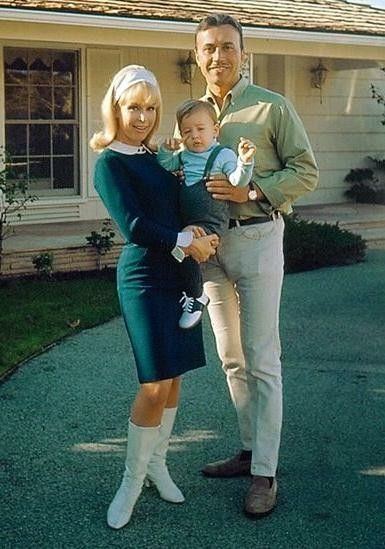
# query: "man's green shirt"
285 167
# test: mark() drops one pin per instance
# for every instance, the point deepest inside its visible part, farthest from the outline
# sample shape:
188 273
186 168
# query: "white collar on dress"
123 148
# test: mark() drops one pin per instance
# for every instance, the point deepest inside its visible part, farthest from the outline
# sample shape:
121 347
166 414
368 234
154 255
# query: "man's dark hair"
217 20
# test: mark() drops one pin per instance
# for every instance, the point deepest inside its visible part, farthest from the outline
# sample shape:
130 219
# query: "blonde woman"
142 198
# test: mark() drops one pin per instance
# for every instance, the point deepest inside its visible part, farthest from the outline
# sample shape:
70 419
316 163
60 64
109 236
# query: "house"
57 59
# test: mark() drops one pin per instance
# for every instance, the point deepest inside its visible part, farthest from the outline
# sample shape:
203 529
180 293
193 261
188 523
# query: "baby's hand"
172 144
246 150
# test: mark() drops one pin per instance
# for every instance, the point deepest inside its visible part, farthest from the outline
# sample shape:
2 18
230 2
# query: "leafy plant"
102 242
43 263
378 96
367 184
309 245
14 197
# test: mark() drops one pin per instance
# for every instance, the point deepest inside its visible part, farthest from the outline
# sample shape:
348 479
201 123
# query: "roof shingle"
307 15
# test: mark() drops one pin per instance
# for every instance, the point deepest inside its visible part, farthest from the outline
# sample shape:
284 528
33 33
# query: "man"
244 280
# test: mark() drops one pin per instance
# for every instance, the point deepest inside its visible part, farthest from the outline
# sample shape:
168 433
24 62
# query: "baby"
201 155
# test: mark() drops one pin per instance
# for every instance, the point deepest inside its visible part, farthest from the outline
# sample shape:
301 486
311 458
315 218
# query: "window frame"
76 192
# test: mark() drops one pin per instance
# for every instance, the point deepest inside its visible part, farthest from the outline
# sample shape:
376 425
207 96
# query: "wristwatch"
253 195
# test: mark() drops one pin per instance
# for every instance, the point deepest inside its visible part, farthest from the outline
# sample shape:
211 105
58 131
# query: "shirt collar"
123 148
235 92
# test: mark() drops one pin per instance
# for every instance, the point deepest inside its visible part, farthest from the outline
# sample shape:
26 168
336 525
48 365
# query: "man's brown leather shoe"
231 467
261 497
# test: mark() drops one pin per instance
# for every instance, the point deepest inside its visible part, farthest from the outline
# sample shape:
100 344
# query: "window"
41 118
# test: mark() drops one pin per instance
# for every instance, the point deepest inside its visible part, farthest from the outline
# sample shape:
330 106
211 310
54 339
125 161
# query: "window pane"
18 169
41 102
63 98
63 173
15 64
41 130
16 139
64 68
39 139
63 139
16 102
39 173
40 67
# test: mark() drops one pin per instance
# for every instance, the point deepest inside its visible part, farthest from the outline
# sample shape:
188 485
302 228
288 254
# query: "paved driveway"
64 414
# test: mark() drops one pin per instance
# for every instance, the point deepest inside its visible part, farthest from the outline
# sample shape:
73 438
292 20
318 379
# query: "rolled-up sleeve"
299 172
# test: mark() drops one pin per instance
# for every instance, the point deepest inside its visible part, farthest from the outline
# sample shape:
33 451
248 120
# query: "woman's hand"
222 189
202 248
197 231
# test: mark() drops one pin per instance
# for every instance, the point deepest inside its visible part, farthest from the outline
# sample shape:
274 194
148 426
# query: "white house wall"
343 129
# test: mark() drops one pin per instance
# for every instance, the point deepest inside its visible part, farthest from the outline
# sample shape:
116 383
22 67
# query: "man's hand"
222 189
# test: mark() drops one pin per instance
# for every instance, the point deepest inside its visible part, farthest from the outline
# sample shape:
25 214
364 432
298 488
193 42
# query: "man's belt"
248 221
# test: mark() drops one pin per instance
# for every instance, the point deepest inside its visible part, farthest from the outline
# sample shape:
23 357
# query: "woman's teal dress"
143 199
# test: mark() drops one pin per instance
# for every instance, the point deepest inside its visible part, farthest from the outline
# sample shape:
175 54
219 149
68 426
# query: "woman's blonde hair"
142 93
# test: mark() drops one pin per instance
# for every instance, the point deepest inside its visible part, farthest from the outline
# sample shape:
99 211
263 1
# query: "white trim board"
155 25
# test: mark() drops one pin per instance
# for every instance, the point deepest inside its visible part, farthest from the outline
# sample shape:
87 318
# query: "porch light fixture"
318 77
187 69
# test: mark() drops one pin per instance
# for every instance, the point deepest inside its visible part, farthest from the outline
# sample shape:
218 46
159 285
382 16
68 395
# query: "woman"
142 198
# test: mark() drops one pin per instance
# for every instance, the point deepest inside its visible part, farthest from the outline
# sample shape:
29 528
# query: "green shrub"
310 245
367 185
102 242
43 264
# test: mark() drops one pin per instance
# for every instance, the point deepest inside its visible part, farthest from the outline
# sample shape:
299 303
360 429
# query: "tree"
14 197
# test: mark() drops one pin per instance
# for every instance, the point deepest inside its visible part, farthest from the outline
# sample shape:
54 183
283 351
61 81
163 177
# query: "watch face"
253 195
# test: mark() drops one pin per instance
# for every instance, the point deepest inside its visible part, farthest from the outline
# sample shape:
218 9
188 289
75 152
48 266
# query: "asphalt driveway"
63 428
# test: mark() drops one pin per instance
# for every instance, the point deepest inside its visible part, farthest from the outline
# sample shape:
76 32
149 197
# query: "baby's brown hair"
193 105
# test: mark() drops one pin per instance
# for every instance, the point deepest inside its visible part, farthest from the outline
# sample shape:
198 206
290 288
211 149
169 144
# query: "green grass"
36 313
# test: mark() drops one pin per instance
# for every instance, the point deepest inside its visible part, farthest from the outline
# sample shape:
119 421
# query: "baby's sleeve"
238 173
169 160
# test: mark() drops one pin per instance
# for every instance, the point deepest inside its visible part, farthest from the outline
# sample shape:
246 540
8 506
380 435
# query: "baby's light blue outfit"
197 205
238 173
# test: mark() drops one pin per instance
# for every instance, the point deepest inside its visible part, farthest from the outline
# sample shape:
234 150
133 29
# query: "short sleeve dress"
143 199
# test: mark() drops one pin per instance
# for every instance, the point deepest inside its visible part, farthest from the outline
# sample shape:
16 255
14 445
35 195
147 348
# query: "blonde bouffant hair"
142 93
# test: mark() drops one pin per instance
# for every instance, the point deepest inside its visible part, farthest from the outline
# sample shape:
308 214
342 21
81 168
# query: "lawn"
35 313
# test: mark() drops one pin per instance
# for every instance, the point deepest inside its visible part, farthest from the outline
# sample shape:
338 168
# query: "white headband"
130 75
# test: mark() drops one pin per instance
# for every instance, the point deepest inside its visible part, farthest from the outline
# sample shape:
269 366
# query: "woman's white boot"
157 471
141 442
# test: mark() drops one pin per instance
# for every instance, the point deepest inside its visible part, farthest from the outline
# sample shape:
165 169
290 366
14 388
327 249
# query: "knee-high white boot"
157 471
141 442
